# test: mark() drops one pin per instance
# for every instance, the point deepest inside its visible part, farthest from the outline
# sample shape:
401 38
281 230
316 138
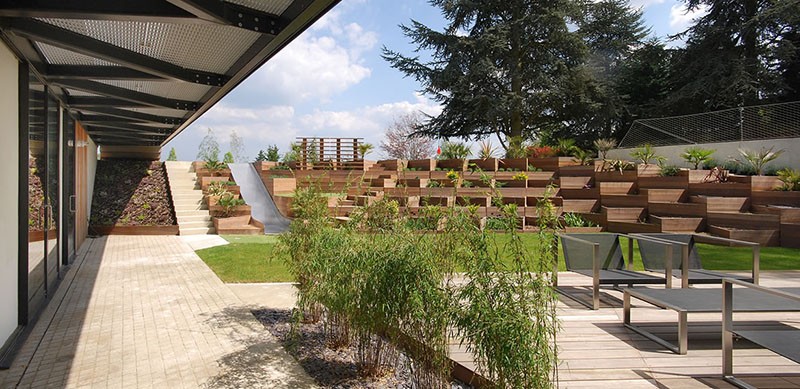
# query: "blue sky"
332 82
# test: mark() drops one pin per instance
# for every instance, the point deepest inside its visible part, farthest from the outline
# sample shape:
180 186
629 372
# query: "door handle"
72 204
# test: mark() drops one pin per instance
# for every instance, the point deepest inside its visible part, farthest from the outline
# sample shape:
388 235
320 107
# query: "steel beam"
82 72
44 32
95 101
132 128
234 15
120 114
126 94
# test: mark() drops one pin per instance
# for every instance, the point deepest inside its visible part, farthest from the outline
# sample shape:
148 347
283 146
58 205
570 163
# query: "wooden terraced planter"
238 225
135 230
458 165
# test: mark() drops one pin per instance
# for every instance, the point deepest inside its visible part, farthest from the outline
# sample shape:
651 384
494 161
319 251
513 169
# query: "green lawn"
251 259
246 259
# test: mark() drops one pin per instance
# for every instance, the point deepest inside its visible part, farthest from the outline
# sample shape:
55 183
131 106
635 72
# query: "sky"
332 82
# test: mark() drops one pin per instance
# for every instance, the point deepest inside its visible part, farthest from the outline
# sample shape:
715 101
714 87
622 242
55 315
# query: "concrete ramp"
255 194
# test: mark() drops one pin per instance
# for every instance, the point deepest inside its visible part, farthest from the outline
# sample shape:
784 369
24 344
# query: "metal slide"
256 195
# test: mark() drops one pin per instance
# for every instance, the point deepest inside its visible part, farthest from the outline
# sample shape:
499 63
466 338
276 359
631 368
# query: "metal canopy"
138 73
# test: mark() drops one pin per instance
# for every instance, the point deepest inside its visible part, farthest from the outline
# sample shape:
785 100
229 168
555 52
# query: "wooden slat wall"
81 180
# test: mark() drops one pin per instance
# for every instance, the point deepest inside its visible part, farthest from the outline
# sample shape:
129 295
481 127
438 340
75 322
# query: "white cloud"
681 18
319 64
280 125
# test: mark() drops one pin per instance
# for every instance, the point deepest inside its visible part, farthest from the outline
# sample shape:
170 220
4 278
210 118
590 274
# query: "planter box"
725 189
203 172
458 165
284 205
241 210
205 181
393 164
438 175
422 164
583 230
520 164
616 176
552 163
588 193
135 230
413 182
757 183
762 237
510 183
489 164
437 192
264 165
775 197
580 170
577 182
238 225
670 182
790 235
695 176
648 170
280 185
213 200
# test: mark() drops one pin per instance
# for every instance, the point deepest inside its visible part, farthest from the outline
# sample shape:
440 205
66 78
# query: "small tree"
228 158
172 155
697 156
209 147
401 141
237 148
604 145
364 149
261 157
758 159
273 154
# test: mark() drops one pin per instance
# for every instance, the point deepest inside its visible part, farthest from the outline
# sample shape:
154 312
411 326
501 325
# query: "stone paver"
147 312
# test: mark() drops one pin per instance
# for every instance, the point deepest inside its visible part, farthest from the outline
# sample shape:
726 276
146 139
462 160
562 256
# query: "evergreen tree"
237 148
643 83
273 154
173 156
737 54
261 157
209 147
499 67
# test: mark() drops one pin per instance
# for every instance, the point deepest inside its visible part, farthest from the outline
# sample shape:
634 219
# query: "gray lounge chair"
785 342
599 256
686 262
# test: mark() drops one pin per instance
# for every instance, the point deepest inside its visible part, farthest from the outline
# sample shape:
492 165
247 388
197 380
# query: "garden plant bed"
331 368
131 193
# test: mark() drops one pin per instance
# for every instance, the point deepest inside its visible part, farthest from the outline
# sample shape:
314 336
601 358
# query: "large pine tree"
499 66
737 54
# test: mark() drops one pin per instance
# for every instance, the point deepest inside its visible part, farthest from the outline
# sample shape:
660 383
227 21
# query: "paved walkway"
145 311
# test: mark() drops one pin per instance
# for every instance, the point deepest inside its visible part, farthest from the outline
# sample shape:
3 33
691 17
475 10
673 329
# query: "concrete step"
190 208
191 212
187 196
197 224
197 231
193 218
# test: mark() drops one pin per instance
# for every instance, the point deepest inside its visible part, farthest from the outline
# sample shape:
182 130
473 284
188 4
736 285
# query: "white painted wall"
9 211
91 171
725 151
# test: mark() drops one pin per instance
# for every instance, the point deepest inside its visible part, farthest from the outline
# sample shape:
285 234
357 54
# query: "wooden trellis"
329 153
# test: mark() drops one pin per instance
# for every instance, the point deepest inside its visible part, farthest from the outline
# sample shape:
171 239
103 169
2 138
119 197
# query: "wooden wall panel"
81 177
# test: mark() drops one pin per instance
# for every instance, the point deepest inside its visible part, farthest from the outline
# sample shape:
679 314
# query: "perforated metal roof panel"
138 73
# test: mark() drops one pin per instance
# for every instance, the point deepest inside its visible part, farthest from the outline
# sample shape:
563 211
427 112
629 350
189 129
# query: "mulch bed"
330 368
131 193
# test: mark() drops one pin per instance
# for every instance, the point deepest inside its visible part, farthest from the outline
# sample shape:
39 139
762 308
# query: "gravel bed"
331 368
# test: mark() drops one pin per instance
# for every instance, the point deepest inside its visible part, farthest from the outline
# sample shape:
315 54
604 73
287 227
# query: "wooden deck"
596 351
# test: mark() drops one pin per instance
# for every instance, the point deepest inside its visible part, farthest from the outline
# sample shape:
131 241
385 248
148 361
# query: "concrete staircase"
187 198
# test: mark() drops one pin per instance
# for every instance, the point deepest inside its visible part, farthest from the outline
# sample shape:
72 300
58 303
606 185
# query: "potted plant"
454 156
574 222
645 155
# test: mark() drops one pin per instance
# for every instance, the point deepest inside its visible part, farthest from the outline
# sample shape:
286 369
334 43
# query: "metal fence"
759 122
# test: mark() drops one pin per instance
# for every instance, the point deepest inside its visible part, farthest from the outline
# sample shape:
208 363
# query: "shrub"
520 177
669 171
228 203
790 179
541 152
645 153
697 156
487 150
758 159
604 145
455 150
575 220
